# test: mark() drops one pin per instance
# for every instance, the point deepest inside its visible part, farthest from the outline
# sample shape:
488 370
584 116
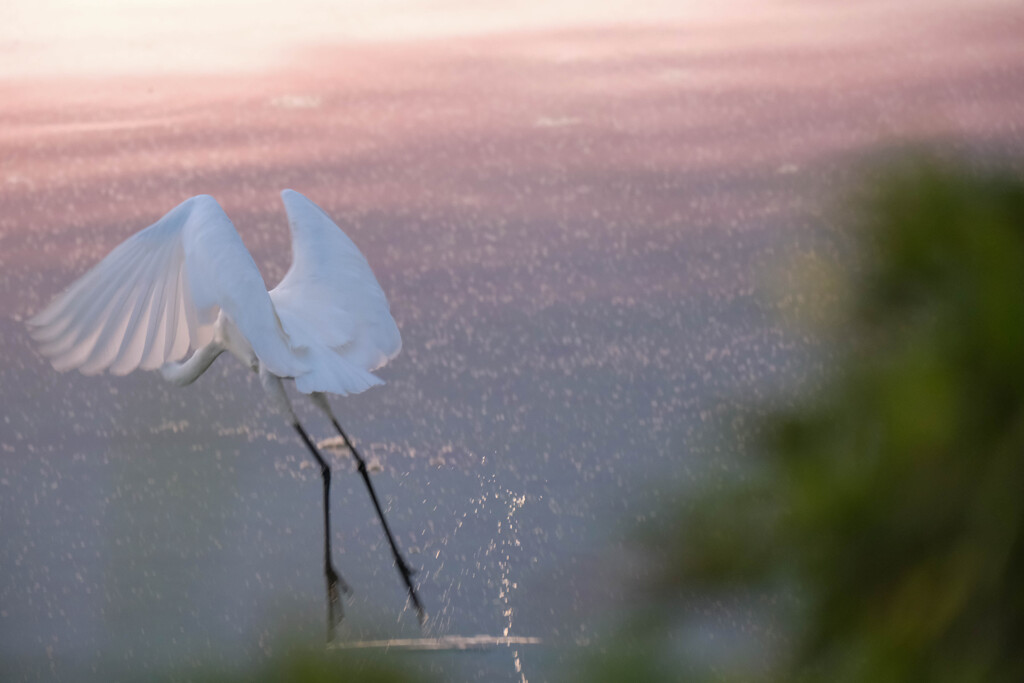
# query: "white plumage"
188 281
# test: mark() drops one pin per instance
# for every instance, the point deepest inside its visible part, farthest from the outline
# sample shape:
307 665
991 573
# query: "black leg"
403 568
335 583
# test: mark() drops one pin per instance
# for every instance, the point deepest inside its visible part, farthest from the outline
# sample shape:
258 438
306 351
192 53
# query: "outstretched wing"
158 293
330 299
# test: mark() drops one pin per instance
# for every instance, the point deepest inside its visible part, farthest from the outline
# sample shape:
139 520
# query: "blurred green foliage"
876 529
306 664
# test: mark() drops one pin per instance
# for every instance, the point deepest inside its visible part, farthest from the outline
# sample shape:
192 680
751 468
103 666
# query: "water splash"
508 531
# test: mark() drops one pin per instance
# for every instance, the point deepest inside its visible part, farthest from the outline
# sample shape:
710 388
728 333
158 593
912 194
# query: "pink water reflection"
536 123
572 207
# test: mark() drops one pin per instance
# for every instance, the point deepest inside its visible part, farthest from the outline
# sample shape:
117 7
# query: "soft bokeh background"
578 211
874 528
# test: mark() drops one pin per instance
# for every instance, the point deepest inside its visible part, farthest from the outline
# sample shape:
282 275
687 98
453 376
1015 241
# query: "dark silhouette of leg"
335 583
403 568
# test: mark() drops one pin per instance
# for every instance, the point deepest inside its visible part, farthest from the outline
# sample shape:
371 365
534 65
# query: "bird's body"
188 282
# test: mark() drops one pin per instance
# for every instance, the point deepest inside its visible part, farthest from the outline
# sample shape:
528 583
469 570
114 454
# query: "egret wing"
159 293
329 299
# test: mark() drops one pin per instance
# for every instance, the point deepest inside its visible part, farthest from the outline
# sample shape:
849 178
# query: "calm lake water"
582 217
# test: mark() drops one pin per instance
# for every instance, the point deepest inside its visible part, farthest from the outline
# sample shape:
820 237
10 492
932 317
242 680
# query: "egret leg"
403 568
336 584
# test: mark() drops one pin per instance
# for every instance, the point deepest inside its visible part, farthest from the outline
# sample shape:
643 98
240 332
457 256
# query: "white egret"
188 282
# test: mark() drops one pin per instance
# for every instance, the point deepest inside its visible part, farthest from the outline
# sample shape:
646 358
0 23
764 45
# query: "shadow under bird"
187 282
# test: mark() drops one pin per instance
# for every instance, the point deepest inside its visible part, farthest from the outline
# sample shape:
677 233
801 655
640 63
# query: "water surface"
578 215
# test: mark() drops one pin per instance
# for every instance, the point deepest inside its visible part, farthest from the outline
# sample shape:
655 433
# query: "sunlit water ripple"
584 234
